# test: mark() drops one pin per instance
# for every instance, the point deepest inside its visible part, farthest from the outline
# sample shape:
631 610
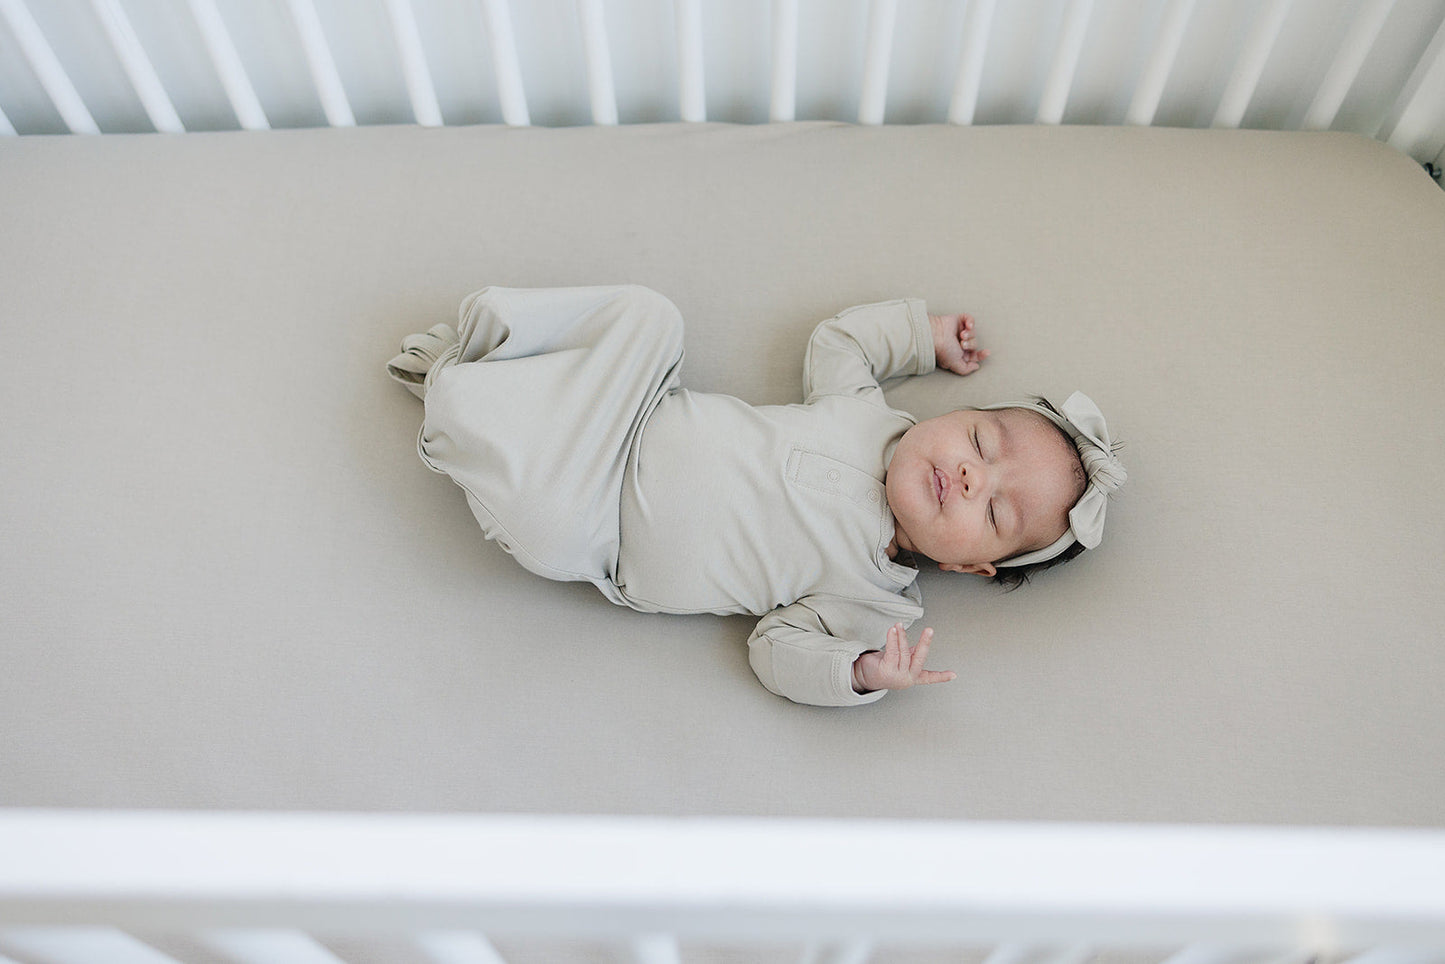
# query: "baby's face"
968 489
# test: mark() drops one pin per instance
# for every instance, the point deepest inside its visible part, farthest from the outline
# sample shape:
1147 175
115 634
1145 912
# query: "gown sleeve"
850 353
805 651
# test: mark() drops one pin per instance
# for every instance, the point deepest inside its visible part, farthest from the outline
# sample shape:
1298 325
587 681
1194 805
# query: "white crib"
1374 67
154 887
259 888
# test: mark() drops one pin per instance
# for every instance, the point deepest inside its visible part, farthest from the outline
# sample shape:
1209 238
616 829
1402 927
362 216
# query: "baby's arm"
855 350
852 352
954 345
795 653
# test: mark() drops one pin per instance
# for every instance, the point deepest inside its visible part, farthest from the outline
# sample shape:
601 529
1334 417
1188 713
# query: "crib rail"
1372 66
275 886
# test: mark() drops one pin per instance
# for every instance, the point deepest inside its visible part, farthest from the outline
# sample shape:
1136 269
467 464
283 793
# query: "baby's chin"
909 517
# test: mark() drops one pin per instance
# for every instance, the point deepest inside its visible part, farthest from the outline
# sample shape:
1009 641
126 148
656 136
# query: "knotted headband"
1084 423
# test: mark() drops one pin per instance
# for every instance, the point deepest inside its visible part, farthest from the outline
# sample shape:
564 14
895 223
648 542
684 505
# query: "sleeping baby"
559 414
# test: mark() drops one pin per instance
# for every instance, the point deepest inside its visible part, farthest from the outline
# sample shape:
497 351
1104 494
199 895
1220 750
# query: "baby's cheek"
962 532
986 543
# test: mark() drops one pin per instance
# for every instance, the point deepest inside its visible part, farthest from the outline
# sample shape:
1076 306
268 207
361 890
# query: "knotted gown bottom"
537 409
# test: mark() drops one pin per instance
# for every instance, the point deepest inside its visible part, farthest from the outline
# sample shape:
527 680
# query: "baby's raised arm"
855 350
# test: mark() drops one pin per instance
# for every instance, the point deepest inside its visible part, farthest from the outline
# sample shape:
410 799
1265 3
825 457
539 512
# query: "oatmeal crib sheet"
229 582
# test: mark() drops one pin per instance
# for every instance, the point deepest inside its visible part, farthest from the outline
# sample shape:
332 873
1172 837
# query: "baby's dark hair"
1011 577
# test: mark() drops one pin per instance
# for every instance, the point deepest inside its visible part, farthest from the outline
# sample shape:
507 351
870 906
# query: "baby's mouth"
940 486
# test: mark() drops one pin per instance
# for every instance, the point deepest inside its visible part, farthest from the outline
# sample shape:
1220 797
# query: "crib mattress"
229 582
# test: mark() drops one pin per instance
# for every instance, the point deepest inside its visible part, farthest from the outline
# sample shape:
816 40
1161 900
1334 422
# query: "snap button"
833 475
873 496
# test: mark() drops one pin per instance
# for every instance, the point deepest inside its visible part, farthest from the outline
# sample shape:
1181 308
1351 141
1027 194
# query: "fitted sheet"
229 582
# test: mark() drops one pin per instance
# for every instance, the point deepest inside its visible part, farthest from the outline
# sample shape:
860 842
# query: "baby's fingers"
973 356
920 652
920 656
893 652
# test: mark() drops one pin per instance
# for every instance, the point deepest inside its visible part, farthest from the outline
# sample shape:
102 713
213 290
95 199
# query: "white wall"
927 44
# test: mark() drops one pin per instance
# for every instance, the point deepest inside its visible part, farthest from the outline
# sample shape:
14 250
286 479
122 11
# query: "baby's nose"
973 479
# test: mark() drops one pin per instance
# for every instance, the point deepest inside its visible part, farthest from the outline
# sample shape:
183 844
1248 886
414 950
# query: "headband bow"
1084 423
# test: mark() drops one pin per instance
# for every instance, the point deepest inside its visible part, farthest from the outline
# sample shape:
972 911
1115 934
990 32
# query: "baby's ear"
984 569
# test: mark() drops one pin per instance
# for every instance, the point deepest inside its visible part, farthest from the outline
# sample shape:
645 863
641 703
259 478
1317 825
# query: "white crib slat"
1252 57
176 870
323 67
80 945
656 949
424 106
1156 74
785 61
268 947
52 76
7 129
137 66
1305 955
599 62
1010 954
228 66
882 15
964 102
457 947
1073 954
1397 955
1212 954
1420 102
1066 61
854 952
1346 66
504 56
691 97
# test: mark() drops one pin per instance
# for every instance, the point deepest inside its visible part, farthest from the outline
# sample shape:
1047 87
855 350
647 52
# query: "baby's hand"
897 666
953 344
